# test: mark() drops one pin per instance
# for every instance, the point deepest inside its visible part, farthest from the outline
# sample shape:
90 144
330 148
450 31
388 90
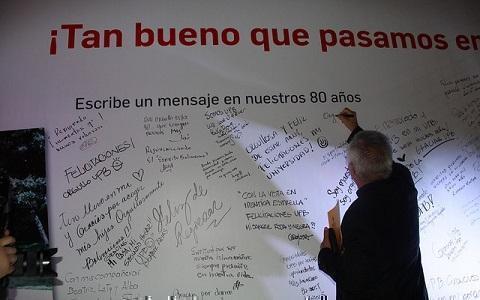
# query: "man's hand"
326 240
8 255
349 118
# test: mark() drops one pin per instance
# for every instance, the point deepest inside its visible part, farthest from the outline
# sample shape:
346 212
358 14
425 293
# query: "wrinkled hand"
8 255
326 240
349 118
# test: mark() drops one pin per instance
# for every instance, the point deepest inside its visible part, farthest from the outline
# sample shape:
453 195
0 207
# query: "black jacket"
380 256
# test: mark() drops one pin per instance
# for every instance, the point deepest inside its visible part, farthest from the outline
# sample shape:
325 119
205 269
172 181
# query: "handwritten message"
277 210
277 151
79 132
303 274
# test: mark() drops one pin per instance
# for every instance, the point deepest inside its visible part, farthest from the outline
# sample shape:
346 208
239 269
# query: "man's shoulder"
401 172
398 167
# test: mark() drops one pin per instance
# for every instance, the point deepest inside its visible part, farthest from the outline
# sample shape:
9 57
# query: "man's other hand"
326 240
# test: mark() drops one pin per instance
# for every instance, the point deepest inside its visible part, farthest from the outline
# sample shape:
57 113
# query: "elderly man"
380 255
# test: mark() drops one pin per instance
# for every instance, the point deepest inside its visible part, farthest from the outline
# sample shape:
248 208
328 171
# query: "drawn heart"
402 159
138 175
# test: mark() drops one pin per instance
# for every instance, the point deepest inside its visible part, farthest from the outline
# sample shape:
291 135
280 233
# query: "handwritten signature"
188 222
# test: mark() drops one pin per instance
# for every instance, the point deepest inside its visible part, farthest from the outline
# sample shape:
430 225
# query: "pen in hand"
345 115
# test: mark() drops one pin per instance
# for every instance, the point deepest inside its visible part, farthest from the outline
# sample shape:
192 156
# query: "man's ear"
351 169
353 173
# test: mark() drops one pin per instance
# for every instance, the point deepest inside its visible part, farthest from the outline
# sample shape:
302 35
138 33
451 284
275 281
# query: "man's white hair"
370 153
